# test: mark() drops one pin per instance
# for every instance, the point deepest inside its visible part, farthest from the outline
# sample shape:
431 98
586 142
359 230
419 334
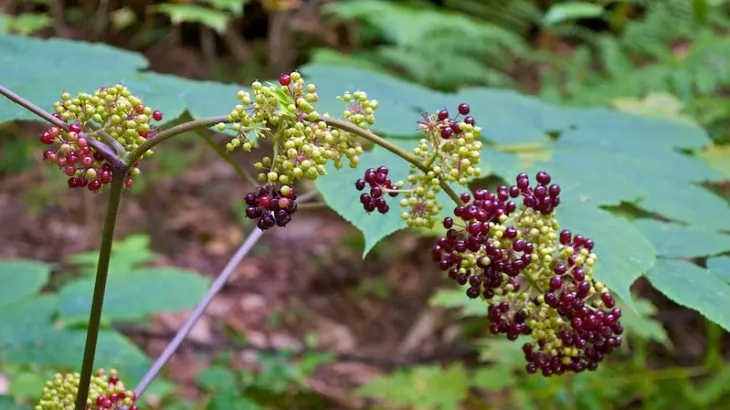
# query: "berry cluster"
451 150
303 143
380 185
536 278
271 206
106 392
112 116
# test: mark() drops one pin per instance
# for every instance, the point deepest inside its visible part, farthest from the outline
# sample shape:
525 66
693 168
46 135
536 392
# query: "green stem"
135 155
372 137
102 273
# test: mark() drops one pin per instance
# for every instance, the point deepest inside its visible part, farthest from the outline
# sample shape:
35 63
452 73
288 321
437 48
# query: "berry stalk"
147 145
372 137
119 174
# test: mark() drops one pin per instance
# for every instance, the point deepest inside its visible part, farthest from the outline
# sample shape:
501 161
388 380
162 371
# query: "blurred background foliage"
663 58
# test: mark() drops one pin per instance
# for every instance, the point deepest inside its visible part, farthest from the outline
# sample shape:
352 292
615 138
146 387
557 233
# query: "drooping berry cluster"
380 186
112 116
271 206
107 392
537 279
304 143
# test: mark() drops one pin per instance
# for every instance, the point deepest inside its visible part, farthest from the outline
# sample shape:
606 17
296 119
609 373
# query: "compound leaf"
338 190
624 254
680 241
694 287
401 103
135 295
21 279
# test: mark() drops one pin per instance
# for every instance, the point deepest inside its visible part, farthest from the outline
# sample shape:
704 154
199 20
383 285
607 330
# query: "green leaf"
191 13
21 279
135 295
8 403
77 66
509 118
573 10
624 254
63 349
457 299
400 103
217 378
721 266
718 157
423 387
337 189
694 287
234 7
666 179
638 322
679 241
632 132
27 320
494 377
127 254
27 385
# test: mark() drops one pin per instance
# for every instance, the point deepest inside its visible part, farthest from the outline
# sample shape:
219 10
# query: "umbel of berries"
508 249
271 205
379 187
106 392
303 144
451 148
111 116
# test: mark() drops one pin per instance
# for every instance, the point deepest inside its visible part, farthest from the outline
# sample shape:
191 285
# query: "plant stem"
197 313
32 107
102 273
133 156
181 334
372 137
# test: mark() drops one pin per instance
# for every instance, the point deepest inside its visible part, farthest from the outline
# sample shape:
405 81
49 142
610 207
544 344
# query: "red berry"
114 379
284 79
464 109
46 138
157 115
94 185
139 109
75 127
443 114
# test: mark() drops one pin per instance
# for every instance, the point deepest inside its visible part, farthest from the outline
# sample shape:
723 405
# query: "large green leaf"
721 266
25 320
679 241
191 13
400 102
40 70
64 348
338 190
127 254
694 287
135 295
20 279
668 188
624 254
508 118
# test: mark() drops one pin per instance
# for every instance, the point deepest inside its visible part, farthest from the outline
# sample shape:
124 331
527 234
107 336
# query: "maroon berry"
284 79
157 115
446 133
464 109
443 114
542 177
75 127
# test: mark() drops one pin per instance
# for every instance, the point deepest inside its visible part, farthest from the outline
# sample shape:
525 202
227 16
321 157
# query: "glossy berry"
380 186
157 115
464 109
284 79
271 206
